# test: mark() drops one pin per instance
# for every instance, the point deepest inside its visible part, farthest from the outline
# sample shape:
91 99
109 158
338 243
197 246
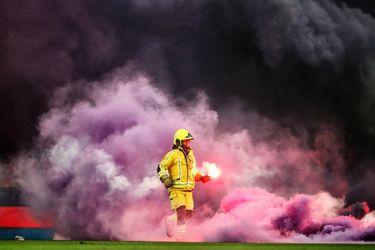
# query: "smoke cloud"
280 94
97 174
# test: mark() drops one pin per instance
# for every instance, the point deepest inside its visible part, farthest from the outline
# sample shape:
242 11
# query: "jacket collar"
181 149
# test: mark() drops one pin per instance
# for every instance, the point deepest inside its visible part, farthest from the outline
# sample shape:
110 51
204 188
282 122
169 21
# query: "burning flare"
212 170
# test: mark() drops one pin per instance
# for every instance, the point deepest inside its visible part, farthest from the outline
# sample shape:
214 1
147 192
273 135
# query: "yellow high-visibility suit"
181 168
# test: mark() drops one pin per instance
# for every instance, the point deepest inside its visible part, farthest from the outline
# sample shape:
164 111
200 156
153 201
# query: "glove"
205 178
167 181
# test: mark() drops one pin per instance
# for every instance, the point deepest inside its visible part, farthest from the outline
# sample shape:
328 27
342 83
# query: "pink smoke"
97 171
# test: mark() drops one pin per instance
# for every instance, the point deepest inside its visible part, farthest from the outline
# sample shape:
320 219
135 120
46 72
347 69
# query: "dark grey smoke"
298 63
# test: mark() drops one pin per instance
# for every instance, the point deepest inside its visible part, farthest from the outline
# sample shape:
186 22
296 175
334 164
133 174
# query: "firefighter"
178 172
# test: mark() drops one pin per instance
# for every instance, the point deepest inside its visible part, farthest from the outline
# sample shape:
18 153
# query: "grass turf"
123 245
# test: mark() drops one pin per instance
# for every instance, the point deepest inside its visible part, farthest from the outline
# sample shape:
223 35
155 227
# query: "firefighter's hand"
167 181
205 178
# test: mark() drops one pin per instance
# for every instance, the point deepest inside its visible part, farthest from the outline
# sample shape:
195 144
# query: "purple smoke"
96 171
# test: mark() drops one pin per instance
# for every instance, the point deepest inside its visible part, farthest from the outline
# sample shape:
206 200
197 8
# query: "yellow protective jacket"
180 167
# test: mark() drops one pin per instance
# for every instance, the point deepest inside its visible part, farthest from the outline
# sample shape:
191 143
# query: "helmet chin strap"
186 149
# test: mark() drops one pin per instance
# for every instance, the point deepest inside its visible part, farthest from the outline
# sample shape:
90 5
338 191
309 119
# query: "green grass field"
113 245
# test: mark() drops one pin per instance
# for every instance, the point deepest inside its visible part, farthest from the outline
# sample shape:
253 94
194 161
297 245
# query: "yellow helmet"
180 135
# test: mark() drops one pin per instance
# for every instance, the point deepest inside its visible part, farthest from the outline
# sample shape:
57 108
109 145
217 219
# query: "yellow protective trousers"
180 198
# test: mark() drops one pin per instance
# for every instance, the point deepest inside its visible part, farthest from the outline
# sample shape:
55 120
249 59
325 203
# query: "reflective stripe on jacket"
181 167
